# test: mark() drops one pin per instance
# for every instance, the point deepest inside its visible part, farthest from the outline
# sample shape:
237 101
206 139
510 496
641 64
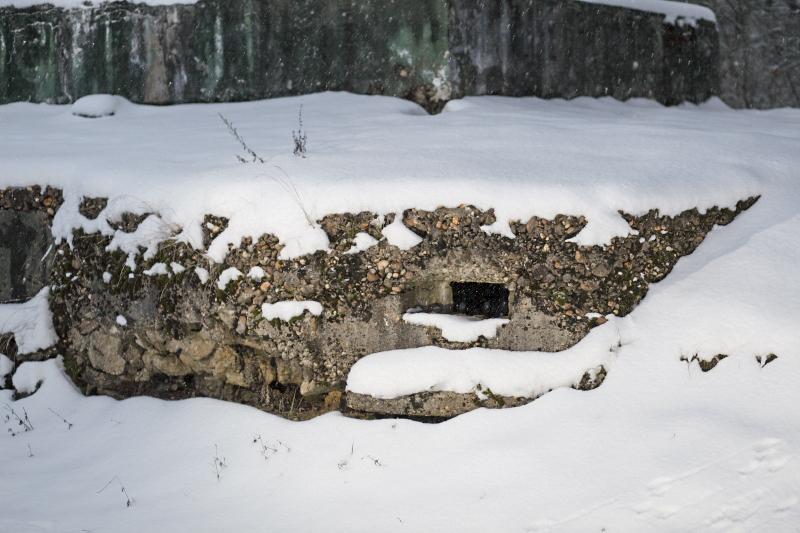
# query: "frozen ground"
659 446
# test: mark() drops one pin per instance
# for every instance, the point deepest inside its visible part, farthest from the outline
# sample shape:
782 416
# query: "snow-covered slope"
660 446
520 156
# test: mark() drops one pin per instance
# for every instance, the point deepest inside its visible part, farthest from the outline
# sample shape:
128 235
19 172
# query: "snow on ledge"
289 309
499 227
623 171
395 373
31 323
456 328
397 234
673 11
600 229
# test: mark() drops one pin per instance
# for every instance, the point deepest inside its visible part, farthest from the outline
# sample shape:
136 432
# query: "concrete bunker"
185 337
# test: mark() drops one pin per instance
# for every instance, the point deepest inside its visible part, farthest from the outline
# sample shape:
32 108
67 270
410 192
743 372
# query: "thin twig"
232 131
288 185
23 421
219 464
69 424
125 492
300 137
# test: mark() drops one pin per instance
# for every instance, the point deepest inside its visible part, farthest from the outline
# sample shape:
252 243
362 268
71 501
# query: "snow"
289 309
257 273
31 323
523 374
362 241
457 328
202 273
499 227
98 105
542 157
659 446
121 320
228 275
30 375
397 234
177 267
679 12
157 269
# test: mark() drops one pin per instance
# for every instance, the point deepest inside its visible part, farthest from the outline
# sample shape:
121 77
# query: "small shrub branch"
129 500
300 137
23 420
69 424
240 140
219 464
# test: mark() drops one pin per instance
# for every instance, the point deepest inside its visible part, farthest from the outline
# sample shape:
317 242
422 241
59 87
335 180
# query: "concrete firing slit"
480 299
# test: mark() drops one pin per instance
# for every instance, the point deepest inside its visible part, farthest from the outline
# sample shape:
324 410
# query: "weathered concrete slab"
425 50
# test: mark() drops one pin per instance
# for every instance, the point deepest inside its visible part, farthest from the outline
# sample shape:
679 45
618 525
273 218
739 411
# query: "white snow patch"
458 328
257 273
600 229
121 320
31 323
228 275
499 227
362 241
289 309
398 234
158 269
97 105
177 267
202 273
106 277
149 234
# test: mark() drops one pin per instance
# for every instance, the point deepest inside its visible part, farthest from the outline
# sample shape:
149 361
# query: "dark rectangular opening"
480 299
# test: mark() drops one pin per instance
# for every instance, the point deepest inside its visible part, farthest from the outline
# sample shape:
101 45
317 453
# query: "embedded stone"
104 354
165 364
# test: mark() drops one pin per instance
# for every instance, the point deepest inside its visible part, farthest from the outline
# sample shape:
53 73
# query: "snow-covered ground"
659 446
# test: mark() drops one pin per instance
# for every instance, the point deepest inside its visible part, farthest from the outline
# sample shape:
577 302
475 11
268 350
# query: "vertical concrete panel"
24 241
426 50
